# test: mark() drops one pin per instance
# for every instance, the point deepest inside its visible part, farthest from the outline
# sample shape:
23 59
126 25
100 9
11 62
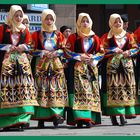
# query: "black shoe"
26 125
125 121
79 124
41 124
122 120
133 117
17 127
57 120
6 129
115 124
130 117
55 124
114 120
21 127
88 124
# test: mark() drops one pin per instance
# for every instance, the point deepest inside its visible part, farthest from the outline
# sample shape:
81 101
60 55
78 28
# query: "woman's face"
117 23
18 16
67 33
25 22
125 26
49 20
85 22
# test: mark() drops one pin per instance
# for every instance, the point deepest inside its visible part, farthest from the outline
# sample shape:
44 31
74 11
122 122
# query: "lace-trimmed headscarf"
15 26
84 31
44 26
117 32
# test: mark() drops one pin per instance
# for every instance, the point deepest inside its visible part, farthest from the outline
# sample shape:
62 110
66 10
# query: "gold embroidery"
86 90
17 83
121 86
51 84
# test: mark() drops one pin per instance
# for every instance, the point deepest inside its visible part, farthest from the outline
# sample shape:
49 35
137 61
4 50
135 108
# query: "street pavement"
132 128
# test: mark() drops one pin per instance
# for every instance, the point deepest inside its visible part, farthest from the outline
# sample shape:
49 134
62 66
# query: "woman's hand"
126 53
54 54
50 54
46 53
12 49
118 51
85 58
20 48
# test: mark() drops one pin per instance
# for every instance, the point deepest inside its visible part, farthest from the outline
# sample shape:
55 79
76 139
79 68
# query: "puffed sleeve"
70 42
132 41
1 33
137 35
99 48
28 37
60 40
34 40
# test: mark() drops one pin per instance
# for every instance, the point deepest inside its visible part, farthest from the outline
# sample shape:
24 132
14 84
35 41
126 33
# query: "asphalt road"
132 128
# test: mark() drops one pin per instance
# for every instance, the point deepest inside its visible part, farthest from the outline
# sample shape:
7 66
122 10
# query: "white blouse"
121 41
86 44
48 43
15 38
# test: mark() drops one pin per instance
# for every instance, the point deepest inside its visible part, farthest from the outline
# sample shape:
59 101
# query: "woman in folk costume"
17 91
83 86
137 38
118 80
66 31
49 72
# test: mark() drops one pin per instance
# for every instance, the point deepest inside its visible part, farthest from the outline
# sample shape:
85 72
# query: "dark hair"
124 17
63 28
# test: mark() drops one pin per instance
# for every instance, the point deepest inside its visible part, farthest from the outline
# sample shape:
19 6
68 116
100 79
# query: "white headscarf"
15 26
44 26
84 31
117 32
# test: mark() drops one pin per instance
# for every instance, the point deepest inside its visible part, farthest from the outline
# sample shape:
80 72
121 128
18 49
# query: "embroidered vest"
112 43
39 45
78 45
7 39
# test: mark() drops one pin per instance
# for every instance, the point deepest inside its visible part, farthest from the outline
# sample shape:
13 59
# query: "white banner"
3 16
37 7
34 27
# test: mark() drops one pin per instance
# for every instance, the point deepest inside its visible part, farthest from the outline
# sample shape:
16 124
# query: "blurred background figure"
125 19
66 31
125 27
26 21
